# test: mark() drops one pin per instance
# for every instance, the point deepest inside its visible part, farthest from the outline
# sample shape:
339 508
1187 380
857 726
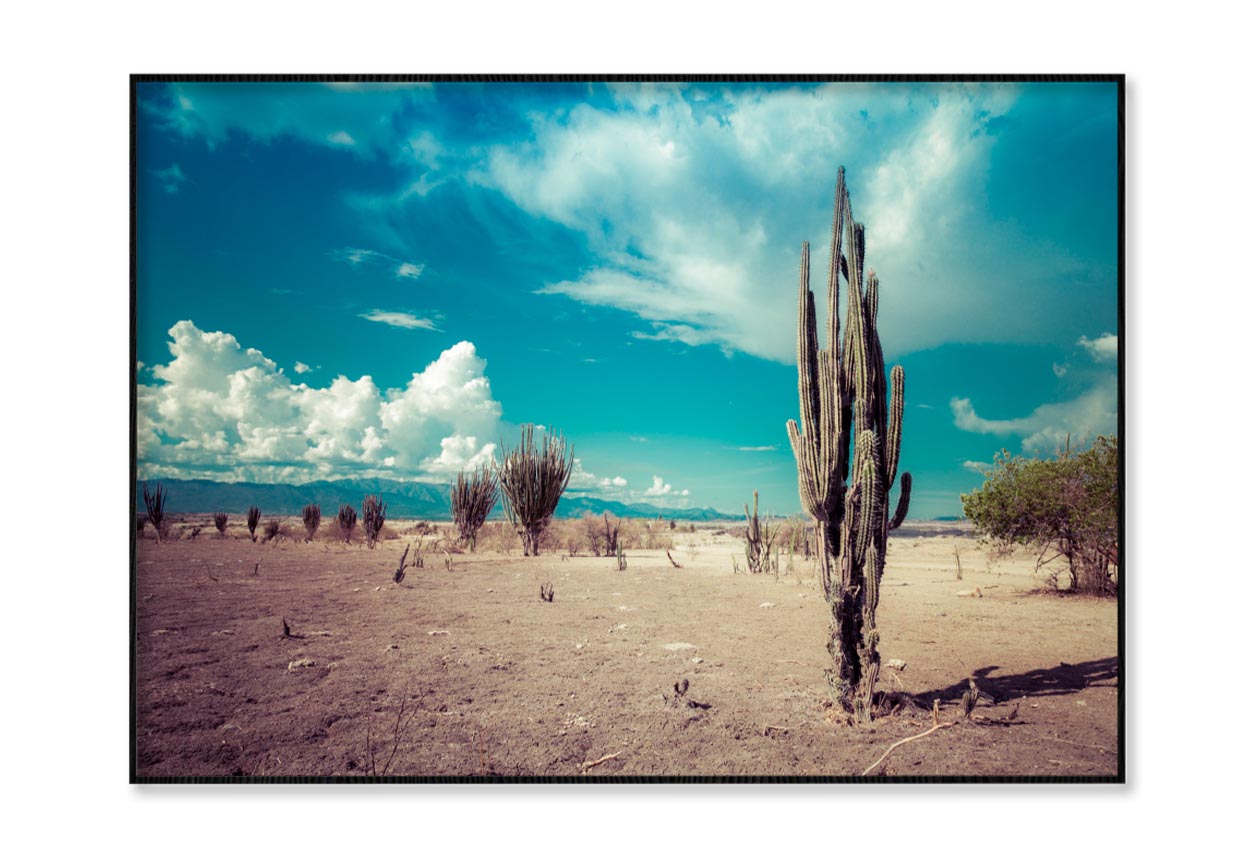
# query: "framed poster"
461 442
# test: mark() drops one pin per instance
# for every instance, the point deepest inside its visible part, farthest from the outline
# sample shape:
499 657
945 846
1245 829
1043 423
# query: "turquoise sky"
385 280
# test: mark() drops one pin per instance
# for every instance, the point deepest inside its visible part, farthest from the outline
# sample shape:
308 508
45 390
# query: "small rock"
300 664
436 633
392 647
698 660
897 663
677 647
620 627
766 604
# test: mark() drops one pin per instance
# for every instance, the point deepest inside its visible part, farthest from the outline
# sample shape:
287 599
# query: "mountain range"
404 500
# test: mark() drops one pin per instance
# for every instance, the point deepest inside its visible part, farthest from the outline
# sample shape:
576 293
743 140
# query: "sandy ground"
467 672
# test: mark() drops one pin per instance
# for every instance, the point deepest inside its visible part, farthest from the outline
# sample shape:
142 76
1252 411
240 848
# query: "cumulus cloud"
409 270
221 411
660 488
976 467
1104 348
301 367
399 319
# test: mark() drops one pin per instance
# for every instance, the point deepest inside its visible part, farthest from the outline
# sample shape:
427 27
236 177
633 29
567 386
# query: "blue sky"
385 280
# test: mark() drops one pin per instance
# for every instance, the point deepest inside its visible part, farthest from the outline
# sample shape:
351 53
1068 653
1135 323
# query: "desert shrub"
311 515
498 536
471 500
532 479
254 518
600 534
373 516
154 504
219 521
1066 506
140 523
347 520
272 530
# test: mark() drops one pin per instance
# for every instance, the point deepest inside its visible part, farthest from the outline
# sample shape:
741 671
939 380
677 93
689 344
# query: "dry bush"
272 529
498 536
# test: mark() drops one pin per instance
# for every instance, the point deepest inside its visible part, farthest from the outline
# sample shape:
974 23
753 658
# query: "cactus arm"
895 417
902 502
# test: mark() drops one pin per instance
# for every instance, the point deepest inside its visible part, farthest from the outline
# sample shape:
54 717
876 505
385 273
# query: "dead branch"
588 765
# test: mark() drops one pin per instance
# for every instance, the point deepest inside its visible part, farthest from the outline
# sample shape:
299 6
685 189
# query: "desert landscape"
461 670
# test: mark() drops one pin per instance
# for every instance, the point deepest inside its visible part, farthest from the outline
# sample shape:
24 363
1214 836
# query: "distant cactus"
272 530
758 540
621 555
219 521
347 519
844 478
154 504
531 481
373 515
254 518
311 515
472 499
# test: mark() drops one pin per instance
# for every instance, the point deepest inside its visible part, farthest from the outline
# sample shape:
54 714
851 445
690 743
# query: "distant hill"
404 500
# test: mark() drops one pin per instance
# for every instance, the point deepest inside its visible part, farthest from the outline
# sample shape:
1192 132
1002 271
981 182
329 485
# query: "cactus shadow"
1060 680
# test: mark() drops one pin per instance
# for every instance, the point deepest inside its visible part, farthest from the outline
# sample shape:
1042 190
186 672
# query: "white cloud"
399 319
223 412
1059 370
171 178
1104 348
358 117
976 467
357 257
1095 412
301 367
760 448
695 201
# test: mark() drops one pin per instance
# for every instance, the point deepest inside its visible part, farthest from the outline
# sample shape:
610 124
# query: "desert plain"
293 658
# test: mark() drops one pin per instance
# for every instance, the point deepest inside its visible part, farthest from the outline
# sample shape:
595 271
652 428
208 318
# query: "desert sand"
461 670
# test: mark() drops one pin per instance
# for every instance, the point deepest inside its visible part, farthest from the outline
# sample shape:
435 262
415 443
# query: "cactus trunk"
847 448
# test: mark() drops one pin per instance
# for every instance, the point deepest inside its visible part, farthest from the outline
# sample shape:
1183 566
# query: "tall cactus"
847 449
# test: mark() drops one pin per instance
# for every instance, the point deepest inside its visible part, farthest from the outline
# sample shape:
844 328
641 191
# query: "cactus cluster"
154 505
758 541
472 499
347 519
373 515
531 480
254 518
311 515
847 448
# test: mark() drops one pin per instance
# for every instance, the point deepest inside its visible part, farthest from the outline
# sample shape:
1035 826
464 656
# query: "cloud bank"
221 411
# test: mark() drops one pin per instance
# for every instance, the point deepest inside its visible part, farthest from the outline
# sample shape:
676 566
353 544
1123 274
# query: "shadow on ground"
1063 679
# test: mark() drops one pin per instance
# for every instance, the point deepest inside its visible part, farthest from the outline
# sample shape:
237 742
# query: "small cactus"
154 504
254 518
373 515
219 521
347 519
311 515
